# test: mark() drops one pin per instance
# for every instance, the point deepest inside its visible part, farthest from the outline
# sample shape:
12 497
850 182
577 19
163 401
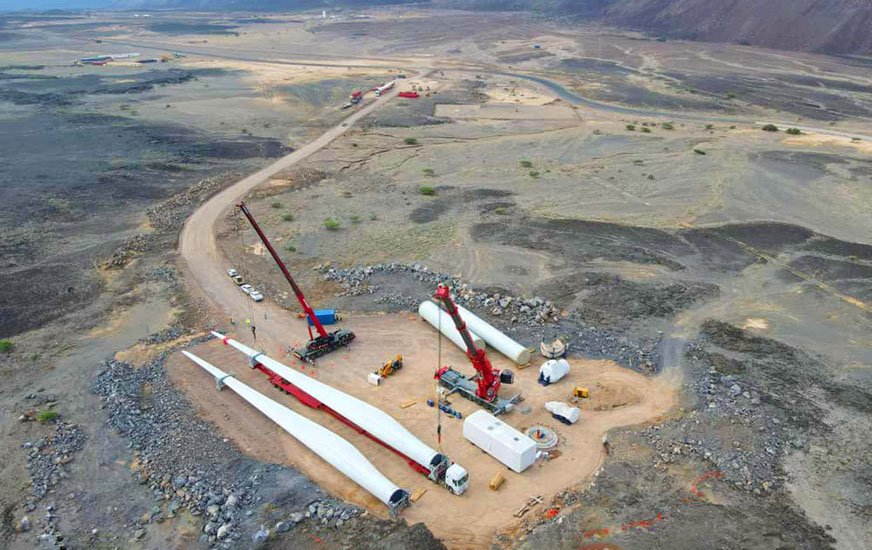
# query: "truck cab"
457 479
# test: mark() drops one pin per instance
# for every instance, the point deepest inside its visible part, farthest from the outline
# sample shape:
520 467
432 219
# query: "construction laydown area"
408 420
618 397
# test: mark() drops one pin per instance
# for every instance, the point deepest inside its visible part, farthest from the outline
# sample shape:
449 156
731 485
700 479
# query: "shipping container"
501 441
326 316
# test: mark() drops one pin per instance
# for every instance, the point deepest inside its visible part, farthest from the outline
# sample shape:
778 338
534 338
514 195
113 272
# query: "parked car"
238 280
232 273
256 296
247 289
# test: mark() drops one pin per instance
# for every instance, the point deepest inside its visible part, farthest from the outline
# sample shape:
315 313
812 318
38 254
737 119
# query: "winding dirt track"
197 242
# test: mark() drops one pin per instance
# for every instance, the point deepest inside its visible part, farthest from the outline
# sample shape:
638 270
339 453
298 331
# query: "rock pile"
527 319
187 465
355 282
180 457
169 215
47 456
133 246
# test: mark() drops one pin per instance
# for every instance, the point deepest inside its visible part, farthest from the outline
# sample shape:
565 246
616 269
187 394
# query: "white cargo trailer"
501 441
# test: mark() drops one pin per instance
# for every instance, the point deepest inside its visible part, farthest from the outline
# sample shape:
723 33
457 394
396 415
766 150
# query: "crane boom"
310 313
325 342
488 379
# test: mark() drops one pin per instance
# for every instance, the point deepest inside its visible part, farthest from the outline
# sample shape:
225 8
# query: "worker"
232 322
606 445
254 332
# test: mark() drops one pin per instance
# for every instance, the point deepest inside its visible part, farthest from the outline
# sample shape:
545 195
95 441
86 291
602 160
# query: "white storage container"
553 370
501 441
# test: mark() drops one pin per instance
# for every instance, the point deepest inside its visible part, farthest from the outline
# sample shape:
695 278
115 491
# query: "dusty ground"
620 398
653 243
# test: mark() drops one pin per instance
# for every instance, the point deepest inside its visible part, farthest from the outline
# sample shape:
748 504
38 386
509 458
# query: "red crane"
319 345
487 379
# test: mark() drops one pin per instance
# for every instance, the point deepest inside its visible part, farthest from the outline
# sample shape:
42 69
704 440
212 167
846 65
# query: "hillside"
828 26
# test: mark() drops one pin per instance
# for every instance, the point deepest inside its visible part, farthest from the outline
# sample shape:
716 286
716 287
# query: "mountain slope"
831 26
828 26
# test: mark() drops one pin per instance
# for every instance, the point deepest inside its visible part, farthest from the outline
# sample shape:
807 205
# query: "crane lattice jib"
297 291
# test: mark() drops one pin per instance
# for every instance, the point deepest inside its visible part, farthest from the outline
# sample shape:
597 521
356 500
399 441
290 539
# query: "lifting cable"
436 380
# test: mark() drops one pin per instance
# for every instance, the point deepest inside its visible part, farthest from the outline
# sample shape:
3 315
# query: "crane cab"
457 479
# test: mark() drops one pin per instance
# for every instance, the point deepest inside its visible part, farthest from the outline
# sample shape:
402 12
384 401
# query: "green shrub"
709 126
290 248
501 210
427 190
288 217
650 176
699 151
355 218
410 141
631 127
793 131
48 416
667 126
646 130
428 172
373 217
276 205
770 128
6 346
526 164
534 174
331 224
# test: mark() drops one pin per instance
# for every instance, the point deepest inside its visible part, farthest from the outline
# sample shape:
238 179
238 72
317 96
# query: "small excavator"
319 345
483 387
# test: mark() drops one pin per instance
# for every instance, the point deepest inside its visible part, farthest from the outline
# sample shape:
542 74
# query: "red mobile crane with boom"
484 386
319 345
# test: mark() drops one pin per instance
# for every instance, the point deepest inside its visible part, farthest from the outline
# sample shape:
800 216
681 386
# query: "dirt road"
197 244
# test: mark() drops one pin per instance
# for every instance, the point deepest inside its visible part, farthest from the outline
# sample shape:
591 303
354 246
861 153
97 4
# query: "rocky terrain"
833 26
702 251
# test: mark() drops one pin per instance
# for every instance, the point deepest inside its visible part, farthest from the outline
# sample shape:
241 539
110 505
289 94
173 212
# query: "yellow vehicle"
390 367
